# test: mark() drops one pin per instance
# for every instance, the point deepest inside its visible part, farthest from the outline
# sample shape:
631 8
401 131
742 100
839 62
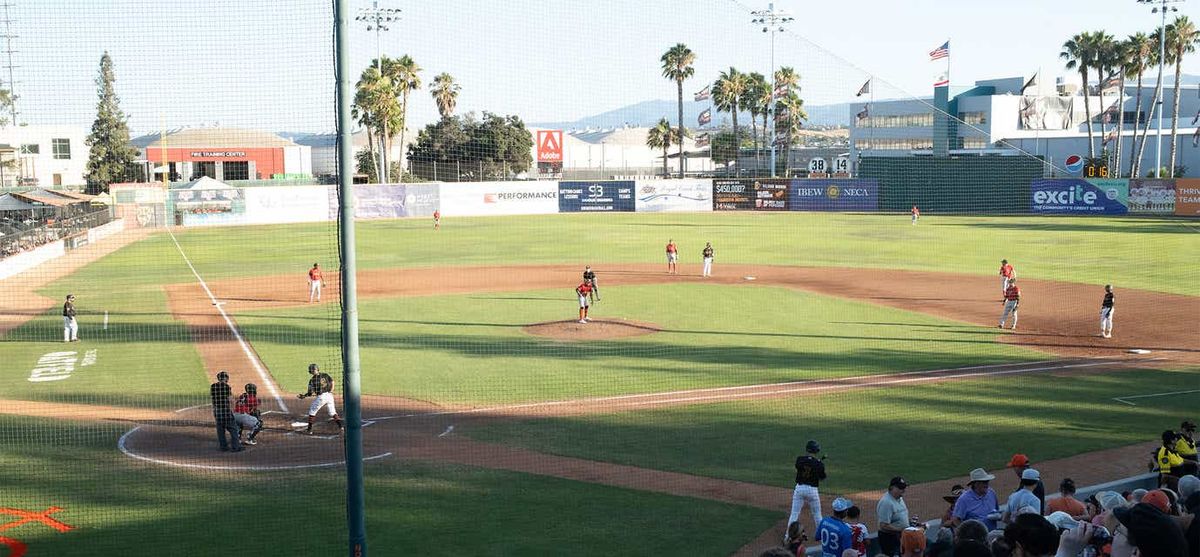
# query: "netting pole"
352 397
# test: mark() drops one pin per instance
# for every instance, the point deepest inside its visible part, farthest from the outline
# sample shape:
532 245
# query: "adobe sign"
549 145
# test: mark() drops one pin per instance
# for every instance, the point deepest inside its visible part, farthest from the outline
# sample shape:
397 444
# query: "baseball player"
220 392
583 290
590 276
70 326
810 470
315 282
321 386
437 219
916 215
246 413
1007 273
1012 300
672 257
1106 312
708 256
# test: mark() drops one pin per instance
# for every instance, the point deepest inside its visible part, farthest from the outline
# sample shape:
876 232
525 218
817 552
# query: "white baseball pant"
1106 320
806 495
314 290
707 267
1010 308
323 399
70 329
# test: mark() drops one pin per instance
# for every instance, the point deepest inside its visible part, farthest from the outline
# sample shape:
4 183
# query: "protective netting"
582 331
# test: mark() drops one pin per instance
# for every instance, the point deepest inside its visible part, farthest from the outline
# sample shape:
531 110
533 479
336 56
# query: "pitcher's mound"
595 329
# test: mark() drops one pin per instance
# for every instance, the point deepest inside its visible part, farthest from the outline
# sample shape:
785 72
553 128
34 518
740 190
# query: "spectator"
1185 445
979 502
1024 496
943 534
1189 494
1093 507
971 530
1031 535
1067 502
1020 463
858 530
1136 495
834 533
1158 500
912 542
796 536
777 552
1148 530
892 512
1062 520
1168 461
972 548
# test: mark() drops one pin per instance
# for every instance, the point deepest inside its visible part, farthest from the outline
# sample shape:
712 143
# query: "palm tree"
1182 38
1137 58
787 79
404 74
1080 53
1151 61
1109 55
374 108
727 92
445 94
661 136
789 114
751 100
677 66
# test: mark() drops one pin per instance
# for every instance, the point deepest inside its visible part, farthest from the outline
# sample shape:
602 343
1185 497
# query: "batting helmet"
812 446
222 375
1169 436
312 368
251 388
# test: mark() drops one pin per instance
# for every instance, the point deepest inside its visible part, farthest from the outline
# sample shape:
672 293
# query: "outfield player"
437 219
320 385
1106 312
916 215
583 290
246 413
1007 274
590 276
315 282
1012 300
672 257
70 326
708 257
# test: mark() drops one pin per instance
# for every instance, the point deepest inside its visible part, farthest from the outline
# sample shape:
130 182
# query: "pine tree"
111 152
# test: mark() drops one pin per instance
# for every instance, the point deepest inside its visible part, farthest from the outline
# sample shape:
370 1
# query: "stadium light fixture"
1160 7
379 20
773 21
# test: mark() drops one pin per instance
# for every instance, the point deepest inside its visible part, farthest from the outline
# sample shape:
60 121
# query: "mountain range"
647 113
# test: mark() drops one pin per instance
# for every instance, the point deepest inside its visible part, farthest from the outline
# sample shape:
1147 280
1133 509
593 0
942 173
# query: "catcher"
320 385
246 413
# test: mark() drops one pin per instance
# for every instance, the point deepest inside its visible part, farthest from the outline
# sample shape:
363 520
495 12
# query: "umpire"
223 413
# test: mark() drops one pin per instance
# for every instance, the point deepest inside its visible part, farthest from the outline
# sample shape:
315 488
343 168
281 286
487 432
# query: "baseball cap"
1152 531
1187 425
842 504
1062 520
1110 500
1188 485
1158 499
1031 475
812 446
1018 460
898 482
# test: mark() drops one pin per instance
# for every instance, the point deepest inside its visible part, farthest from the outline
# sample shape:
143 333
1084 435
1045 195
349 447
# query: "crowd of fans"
14 241
1160 522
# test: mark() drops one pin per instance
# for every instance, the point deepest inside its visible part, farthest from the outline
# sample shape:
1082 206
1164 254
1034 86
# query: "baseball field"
497 424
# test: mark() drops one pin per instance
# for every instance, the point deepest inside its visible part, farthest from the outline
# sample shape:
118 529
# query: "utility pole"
8 64
378 20
1160 7
772 21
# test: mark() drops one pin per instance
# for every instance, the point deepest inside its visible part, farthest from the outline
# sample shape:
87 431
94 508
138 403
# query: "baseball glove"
301 396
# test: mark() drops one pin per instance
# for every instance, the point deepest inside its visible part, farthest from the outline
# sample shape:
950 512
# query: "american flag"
940 52
705 117
703 94
781 91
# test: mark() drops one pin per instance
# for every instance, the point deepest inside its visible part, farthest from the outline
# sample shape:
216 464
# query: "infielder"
70 326
1106 312
1012 300
583 290
590 276
1007 274
708 256
246 413
320 385
672 257
315 282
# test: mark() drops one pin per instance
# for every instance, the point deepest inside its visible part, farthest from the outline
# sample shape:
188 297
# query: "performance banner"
833 195
1187 197
607 196
1078 196
1152 196
733 195
478 199
655 196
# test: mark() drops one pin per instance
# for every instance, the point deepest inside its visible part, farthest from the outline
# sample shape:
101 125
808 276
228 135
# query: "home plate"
1139 351
748 278
299 424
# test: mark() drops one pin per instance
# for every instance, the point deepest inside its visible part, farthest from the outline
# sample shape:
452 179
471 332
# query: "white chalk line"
808 385
1125 399
131 454
262 372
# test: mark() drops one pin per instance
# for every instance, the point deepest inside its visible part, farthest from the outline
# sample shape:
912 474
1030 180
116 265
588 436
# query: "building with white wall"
621 152
43 155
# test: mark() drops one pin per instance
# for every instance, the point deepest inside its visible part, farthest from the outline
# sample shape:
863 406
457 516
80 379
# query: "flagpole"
871 88
947 68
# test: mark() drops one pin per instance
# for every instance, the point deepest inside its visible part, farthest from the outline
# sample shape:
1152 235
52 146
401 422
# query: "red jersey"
1012 293
583 289
437 215
671 247
916 211
314 274
1006 271
246 404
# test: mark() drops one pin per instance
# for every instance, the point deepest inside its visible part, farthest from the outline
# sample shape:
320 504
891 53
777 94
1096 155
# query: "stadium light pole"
378 20
772 21
1161 8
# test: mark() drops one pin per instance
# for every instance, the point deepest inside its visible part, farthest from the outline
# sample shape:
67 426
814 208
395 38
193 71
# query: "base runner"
1012 300
321 386
1106 312
583 290
1007 274
315 282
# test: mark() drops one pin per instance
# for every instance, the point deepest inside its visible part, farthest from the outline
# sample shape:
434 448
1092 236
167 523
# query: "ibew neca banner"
607 196
1078 196
833 195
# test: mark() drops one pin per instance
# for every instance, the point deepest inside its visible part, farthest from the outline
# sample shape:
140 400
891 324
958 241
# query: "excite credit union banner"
1077 196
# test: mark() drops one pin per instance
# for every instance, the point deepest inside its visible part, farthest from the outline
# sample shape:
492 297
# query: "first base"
1139 351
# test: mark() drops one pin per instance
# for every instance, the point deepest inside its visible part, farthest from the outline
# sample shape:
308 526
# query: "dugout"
954 184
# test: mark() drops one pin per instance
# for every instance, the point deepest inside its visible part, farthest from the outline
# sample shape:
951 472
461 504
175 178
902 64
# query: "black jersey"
320 383
1108 300
589 275
220 393
809 470
68 309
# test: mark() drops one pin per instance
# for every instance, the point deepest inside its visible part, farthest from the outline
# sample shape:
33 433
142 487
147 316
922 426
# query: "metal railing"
20 238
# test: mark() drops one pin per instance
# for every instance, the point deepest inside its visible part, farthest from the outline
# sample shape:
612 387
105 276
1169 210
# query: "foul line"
845 383
1124 399
131 454
262 372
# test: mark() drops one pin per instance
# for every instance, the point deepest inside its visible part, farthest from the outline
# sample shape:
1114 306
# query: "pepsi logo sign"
1074 164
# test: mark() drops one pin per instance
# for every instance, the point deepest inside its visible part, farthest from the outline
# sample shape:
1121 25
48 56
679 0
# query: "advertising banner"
1115 189
608 196
733 195
550 146
1152 196
208 207
388 201
1187 197
834 194
466 199
1077 196
771 195
674 195
283 204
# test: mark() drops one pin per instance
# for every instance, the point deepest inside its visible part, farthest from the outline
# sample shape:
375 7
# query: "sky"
268 64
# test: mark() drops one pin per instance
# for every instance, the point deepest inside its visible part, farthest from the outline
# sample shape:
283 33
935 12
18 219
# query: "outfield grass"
120 506
471 349
921 432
